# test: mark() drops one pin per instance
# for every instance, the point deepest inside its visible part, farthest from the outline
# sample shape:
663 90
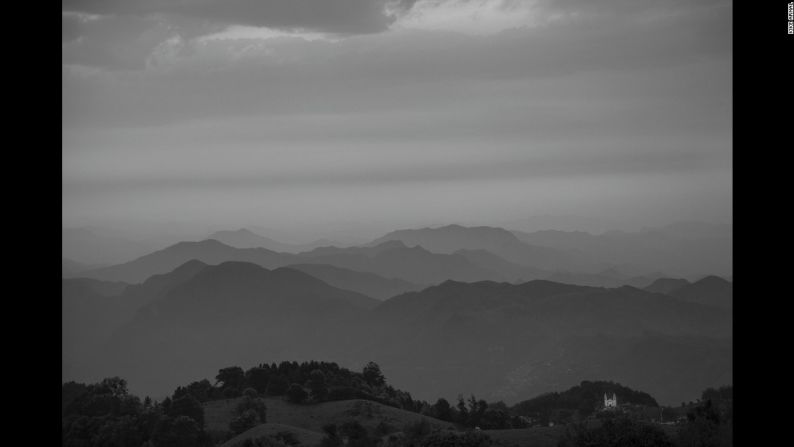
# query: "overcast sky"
306 115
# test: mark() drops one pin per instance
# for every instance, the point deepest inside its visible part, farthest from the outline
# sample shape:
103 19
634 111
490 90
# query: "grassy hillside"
522 437
303 436
218 414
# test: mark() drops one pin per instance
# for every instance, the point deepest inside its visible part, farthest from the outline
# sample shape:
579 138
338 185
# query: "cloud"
566 100
123 35
332 16
406 69
111 41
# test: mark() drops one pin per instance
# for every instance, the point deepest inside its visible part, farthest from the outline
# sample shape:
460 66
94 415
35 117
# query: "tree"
187 405
251 401
201 390
463 413
114 386
476 410
296 394
121 432
450 439
331 438
707 427
617 432
317 385
373 375
250 392
258 378
277 386
231 378
180 431
442 410
494 419
356 435
245 421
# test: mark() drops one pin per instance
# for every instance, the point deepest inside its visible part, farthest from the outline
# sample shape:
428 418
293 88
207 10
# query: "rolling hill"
313 417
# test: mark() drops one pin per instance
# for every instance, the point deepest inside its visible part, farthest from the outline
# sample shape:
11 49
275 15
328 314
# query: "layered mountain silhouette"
607 278
682 250
511 271
555 309
208 251
71 268
711 290
393 259
245 238
503 243
390 259
158 285
369 284
224 314
90 311
495 339
667 285
448 310
94 246
508 341
432 255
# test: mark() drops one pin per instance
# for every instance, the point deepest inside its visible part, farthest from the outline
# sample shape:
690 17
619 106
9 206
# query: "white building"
610 403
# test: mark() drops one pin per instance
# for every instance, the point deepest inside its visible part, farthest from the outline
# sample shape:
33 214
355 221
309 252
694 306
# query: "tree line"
106 414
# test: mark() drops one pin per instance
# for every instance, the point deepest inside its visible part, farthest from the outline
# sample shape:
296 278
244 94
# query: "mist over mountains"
245 238
445 311
473 253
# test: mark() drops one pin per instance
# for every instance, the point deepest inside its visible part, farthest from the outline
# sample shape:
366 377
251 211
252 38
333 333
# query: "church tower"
610 403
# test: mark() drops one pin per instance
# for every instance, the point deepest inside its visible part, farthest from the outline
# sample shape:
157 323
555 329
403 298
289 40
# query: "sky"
309 117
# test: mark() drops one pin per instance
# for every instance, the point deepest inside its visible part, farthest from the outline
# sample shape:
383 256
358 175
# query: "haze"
376 115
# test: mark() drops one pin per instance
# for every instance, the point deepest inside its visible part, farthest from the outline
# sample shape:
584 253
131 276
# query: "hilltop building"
610 403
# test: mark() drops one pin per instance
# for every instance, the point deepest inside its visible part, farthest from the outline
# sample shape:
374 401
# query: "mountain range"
390 259
682 250
245 238
496 339
430 256
503 243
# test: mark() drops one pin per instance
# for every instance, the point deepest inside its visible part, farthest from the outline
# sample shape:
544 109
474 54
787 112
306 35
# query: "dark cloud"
332 16
405 70
625 7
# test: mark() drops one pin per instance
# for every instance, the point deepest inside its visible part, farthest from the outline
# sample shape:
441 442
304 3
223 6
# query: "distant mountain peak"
392 243
667 285
712 279
205 243
244 231
239 265
190 265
